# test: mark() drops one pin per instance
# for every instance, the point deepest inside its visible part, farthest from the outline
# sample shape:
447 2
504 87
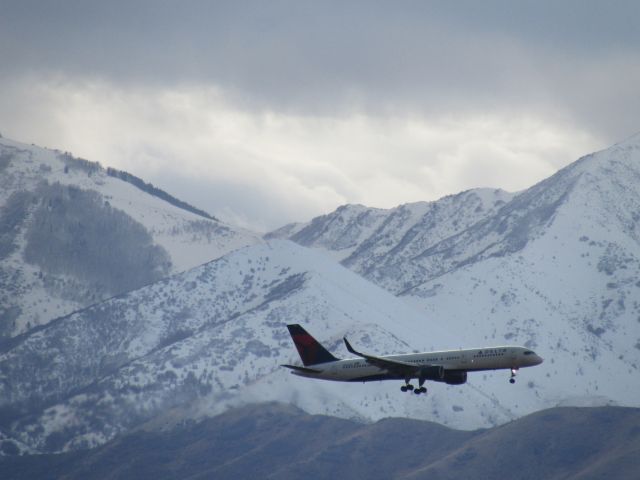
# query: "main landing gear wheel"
420 390
406 387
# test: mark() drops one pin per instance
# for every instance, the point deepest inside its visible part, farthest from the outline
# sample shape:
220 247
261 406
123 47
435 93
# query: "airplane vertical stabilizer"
310 350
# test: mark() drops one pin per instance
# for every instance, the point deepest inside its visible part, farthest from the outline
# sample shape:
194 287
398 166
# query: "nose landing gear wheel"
512 380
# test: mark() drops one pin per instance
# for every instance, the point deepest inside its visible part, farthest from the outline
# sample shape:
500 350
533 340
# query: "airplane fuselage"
468 360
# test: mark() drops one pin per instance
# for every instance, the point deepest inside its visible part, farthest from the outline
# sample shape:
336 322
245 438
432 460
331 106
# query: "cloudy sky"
268 112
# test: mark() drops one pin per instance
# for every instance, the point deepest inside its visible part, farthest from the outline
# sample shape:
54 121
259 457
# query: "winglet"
386 363
350 348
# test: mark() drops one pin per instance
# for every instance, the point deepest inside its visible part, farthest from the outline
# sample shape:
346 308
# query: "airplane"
448 366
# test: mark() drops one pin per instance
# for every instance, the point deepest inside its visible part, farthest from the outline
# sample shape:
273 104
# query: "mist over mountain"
73 233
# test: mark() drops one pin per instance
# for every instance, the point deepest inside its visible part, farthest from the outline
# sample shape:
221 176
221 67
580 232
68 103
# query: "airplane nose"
539 360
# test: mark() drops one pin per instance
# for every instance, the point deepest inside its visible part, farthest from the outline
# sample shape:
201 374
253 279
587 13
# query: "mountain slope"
373 241
555 268
73 233
215 336
278 441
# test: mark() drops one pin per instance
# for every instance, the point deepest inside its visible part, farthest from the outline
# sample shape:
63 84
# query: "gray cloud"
326 57
328 101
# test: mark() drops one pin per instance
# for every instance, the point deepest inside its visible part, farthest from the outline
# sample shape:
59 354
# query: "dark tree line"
75 232
156 192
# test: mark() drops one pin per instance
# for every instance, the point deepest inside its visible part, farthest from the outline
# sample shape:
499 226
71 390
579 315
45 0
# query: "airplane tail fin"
311 352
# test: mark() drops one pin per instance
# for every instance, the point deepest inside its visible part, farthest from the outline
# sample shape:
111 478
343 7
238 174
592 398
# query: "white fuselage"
469 360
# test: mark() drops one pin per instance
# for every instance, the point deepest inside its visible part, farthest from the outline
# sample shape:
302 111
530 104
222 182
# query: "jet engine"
455 378
435 373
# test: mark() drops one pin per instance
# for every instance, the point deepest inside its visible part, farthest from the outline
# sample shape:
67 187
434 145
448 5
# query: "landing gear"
407 387
512 380
421 387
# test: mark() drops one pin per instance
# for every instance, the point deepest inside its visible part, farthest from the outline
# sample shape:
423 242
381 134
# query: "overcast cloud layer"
269 112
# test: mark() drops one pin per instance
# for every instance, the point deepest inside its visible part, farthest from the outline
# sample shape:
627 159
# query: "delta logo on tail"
311 352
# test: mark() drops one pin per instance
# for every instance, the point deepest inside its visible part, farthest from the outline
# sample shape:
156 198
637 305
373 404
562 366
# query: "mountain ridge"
73 233
210 337
555 268
280 441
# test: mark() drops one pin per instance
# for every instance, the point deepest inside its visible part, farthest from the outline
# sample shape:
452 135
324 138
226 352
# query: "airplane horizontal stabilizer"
302 369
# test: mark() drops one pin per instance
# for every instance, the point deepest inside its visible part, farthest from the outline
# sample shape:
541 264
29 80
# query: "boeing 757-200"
449 366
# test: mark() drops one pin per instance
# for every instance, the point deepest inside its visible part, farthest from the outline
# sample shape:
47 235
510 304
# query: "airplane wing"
394 366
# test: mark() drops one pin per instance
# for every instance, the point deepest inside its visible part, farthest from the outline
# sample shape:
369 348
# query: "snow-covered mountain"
373 241
216 336
555 267
73 233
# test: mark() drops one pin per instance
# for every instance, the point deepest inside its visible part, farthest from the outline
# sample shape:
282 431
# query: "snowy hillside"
556 267
73 233
215 336
374 241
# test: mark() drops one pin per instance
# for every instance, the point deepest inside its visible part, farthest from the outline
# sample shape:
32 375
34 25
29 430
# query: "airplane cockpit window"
529 352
